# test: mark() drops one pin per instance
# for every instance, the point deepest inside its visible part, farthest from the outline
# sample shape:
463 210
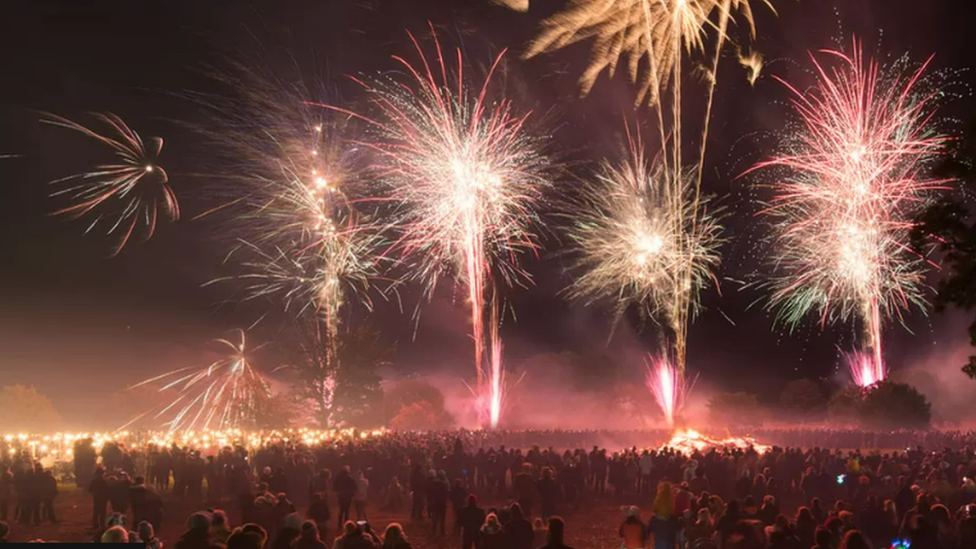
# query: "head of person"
115 534
350 529
516 511
854 540
733 507
257 531
309 529
244 538
292 522
555 532
218 519
394 533
664 500
704 516
117 519
145 531
472 500
491 520
199 522
821 536
889 507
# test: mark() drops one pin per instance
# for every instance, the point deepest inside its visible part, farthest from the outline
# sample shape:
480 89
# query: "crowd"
793 496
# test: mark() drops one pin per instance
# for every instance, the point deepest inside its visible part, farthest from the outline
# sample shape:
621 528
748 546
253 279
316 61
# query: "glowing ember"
688 441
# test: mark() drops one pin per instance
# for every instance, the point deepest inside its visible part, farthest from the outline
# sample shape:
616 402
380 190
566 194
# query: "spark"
466 176
753 63
222 395
852 179
133 190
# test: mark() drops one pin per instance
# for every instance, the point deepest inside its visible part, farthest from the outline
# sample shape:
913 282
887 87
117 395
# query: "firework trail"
131 191
222 395
637 244
306 228
466 177
659 31
496 378
850 184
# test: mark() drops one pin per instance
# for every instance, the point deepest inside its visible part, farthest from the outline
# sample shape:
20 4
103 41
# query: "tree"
24 409
948 226
408 392
317 367
895 405
422 415
740 409
358 397
845 405
803 396
276 412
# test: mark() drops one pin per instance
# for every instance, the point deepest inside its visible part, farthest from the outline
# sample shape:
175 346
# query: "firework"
466 176
753 63
133 190
658 31
667 385
305 226
222 395
853 179
643 245
865 370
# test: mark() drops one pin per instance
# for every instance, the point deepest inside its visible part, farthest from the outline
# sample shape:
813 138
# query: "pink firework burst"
852 180
466 178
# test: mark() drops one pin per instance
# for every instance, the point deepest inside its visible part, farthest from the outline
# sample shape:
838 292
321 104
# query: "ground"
593 526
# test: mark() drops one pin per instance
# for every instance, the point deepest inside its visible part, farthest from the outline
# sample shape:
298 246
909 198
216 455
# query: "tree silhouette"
947 225
24 409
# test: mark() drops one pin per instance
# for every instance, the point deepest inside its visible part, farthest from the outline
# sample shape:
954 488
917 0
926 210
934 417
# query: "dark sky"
80 326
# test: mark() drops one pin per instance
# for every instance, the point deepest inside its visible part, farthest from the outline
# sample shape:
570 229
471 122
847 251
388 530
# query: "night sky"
80 326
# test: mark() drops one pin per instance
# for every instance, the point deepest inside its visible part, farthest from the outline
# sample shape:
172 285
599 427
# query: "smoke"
936 371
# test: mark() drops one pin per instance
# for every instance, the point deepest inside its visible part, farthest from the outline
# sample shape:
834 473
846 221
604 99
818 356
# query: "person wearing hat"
633 531
197 535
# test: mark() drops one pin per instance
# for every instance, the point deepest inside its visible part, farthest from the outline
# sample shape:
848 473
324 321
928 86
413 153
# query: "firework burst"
305 226
632 31
641 244
131 191
466 176
222 395
852 181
